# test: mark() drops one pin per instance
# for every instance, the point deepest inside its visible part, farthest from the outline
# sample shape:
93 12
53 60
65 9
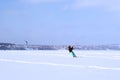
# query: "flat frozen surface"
59 65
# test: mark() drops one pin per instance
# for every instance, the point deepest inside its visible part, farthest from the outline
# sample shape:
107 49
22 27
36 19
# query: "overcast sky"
60 22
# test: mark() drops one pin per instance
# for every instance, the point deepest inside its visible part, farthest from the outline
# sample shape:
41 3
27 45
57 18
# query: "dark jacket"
70 48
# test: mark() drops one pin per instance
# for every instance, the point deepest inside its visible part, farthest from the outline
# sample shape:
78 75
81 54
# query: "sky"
60 22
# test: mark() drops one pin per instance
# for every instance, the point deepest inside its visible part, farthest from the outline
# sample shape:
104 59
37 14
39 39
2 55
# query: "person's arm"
72 48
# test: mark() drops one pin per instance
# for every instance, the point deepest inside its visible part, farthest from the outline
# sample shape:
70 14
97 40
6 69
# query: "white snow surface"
59 65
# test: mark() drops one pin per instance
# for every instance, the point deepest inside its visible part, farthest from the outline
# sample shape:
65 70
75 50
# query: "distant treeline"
11 46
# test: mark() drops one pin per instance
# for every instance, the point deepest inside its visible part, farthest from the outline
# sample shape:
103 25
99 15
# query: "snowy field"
59 65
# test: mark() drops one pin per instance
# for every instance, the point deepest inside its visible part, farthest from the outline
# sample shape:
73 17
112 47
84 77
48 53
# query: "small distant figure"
26 43
70 48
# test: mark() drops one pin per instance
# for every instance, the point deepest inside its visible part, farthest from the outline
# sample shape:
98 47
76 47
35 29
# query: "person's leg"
73 54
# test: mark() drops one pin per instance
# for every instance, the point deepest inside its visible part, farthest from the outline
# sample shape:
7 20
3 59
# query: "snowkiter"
70 48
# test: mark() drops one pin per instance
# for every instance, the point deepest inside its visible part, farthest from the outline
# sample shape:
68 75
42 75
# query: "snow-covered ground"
59 65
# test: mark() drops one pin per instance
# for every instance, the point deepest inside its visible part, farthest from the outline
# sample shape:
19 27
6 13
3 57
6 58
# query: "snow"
59 65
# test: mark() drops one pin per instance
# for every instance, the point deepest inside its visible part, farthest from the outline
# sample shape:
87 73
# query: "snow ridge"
60 65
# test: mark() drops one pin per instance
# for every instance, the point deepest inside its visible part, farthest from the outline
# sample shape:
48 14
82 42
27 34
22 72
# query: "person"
70 48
